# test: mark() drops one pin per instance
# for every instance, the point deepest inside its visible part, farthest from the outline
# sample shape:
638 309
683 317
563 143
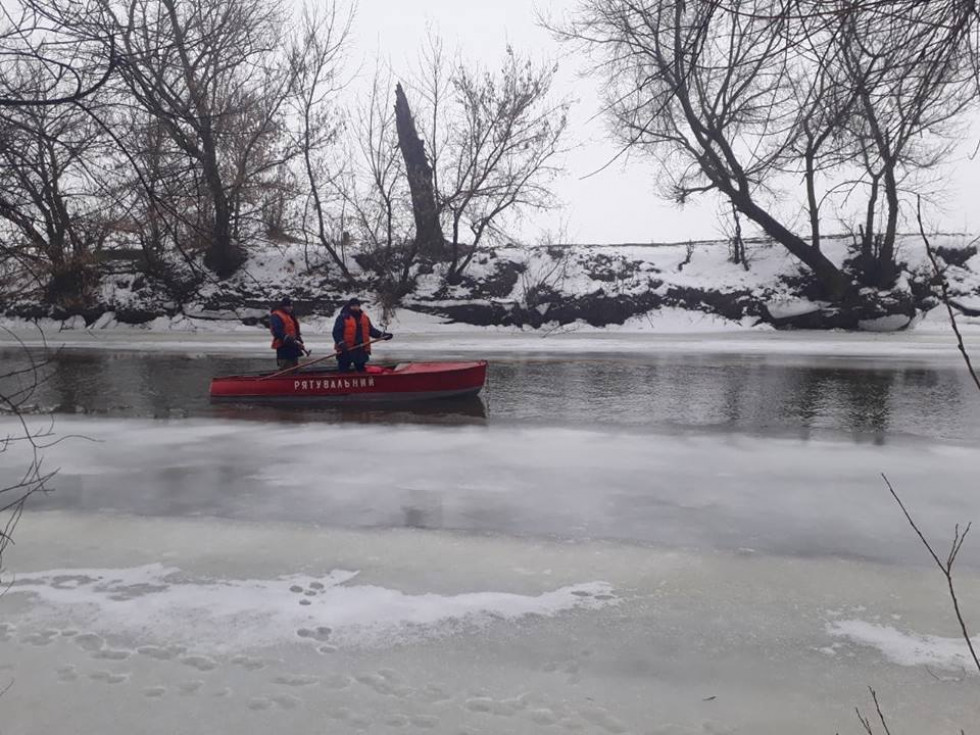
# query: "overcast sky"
620 203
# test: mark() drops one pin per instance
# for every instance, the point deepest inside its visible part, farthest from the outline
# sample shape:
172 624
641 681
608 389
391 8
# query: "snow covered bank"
667 287
419 335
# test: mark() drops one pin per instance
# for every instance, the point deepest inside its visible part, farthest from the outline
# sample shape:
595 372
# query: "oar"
321 359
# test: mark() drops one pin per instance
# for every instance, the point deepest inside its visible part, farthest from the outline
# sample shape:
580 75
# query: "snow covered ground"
668 331
673 287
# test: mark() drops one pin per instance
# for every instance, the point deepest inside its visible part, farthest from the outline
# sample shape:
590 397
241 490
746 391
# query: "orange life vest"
289 325
350 331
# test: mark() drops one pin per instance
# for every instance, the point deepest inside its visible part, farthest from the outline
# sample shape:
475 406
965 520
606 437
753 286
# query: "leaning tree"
767 101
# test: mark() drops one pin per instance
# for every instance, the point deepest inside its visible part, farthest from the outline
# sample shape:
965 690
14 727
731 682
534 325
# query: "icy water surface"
868 401
677 545
724 452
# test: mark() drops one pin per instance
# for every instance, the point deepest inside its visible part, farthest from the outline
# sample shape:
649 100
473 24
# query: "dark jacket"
359 338
288 349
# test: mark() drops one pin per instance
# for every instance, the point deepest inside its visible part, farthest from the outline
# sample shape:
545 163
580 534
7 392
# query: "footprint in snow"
160 654
188 688
295 680
542 716
434 694
282 701
109 654
201 663
41 638
321 634
89 642
108 677
287 701
336 682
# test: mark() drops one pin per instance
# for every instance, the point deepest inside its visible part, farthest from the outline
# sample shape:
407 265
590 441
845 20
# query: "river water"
854 398
609 543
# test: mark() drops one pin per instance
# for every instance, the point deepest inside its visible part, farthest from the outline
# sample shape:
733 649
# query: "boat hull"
411 382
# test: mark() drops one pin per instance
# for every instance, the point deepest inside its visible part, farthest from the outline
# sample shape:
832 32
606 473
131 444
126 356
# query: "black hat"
354 302
285 301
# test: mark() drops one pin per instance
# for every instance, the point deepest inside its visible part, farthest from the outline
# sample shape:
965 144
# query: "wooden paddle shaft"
321 359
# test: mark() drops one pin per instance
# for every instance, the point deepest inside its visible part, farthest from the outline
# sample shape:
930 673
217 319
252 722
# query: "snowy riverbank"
675 287
670 331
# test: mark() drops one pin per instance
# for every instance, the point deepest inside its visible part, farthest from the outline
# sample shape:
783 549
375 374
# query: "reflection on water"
466 410
865 400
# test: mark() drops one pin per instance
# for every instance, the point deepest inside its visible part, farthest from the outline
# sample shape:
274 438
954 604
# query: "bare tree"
732 95
376 195
316 59
52 220
502 147
493 139
911 79
69 65
214 75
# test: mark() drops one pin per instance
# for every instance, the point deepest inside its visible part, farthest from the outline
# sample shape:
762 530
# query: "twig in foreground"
944 287
946 567
866 721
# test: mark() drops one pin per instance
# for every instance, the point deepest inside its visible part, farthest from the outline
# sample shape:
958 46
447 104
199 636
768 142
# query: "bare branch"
946 567
944 289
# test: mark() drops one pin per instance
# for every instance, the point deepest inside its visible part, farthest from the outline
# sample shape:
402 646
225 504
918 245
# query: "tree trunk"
868 236
811 196
428 230
223 255
832 279
886 255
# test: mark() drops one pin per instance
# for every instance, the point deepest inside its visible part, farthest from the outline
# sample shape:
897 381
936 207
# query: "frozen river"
684 542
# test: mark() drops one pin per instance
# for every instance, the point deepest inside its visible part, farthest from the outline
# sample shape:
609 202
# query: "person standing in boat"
351 332
286 338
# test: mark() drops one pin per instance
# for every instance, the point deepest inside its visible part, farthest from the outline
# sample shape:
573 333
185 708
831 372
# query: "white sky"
620 203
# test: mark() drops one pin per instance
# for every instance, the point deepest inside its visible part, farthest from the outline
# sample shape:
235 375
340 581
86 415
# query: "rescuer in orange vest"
351 330
286 338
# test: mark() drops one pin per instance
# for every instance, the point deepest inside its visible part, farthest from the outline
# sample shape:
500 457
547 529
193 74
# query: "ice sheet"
691 643
685 490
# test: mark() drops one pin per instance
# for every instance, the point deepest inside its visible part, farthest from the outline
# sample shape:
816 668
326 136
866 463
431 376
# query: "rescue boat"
413 381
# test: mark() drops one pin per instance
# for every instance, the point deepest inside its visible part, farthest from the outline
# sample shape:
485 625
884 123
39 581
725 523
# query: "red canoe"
406 382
